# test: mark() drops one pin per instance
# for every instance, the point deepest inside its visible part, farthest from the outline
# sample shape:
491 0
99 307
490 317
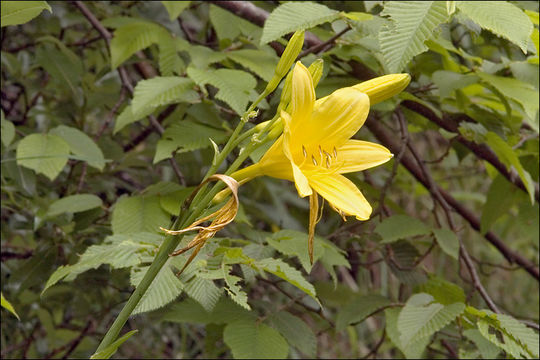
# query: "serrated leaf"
448 241
497 205
111 349
81 145
127 117
500 17
233 289
422 317
186 136
7 131
287 273
486 348
138 214
258 61
169 60
63 66
44 153
359 308
225 311
204 291
174 8
7 305
133 37
164 288
412 350
161 90
295 243
73 204
413 22
399 227
229 26
20 12
508 156
252 340
295 331
293 16
234 85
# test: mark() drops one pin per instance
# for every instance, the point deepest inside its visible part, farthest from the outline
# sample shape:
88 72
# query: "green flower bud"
384 87
290 54
316 71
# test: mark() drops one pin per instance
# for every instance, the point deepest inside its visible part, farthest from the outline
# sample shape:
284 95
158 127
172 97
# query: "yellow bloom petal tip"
384 87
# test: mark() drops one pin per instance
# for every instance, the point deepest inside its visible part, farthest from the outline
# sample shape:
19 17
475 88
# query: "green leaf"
127 117
164 288
81 145
508 156
293 16
287 273
190 311
229 26
399 227
448 241
133 37
413 349
501 18
444 292
73 204
359 309
519 91
174 8
161 90
422 317
233 289
252 340
44 153
204 291
295 243
486 348
111 349
138 214
7 131
7 305
448 81
496 204
186 136
64 67
169 61
295 331
258 61
234 85
413 22
20 12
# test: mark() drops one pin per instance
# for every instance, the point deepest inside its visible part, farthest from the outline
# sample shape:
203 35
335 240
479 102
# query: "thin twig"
323 46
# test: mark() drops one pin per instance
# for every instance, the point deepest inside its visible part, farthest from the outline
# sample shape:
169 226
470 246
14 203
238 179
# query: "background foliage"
107 112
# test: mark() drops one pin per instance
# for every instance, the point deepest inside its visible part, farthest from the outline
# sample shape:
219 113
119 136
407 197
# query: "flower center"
321 157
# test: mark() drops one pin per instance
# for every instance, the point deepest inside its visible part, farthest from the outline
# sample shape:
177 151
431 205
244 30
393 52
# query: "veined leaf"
225 311
204 291
169 60
293 16
413 24
444 292
7 131
422 317
174 8
295 331
233 289
413 349
486 348
448 241
234 85
81 145
500 17
258 61
133 37
161 90
73 204
20 12
44 153
252 340
295 243
127 117
138 214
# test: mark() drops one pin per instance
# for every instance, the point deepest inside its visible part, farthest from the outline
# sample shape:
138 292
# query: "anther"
304 151
314 161
335 152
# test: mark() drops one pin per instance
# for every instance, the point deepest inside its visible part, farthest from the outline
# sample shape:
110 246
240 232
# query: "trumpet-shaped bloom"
316 148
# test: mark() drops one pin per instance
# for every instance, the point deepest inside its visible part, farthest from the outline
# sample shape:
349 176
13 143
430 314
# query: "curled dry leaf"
221 218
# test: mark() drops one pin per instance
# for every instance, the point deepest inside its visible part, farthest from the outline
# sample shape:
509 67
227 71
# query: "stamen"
335 152
304 151
327 162
314 161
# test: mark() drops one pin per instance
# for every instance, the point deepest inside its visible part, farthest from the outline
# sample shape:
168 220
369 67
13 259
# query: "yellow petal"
300 180
274 163
341 193
335 120
356 155
302 96
384 87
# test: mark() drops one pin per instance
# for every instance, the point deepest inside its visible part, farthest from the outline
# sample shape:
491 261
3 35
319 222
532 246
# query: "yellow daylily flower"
315 148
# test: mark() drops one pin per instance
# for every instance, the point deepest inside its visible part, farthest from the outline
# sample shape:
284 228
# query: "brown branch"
8 255
323 46
481 150
390 141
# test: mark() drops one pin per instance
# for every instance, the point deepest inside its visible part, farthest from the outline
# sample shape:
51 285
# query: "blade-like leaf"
111 349
252 340
73 204
81 145
45 154
20 12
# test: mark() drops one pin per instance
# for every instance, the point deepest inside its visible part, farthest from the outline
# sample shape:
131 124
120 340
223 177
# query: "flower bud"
316 71
290 54
384 87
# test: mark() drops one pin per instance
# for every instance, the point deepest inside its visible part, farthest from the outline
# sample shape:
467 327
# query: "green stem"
186 217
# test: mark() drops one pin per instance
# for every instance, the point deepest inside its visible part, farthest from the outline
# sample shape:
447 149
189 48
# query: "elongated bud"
316 71
290 54
384 87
